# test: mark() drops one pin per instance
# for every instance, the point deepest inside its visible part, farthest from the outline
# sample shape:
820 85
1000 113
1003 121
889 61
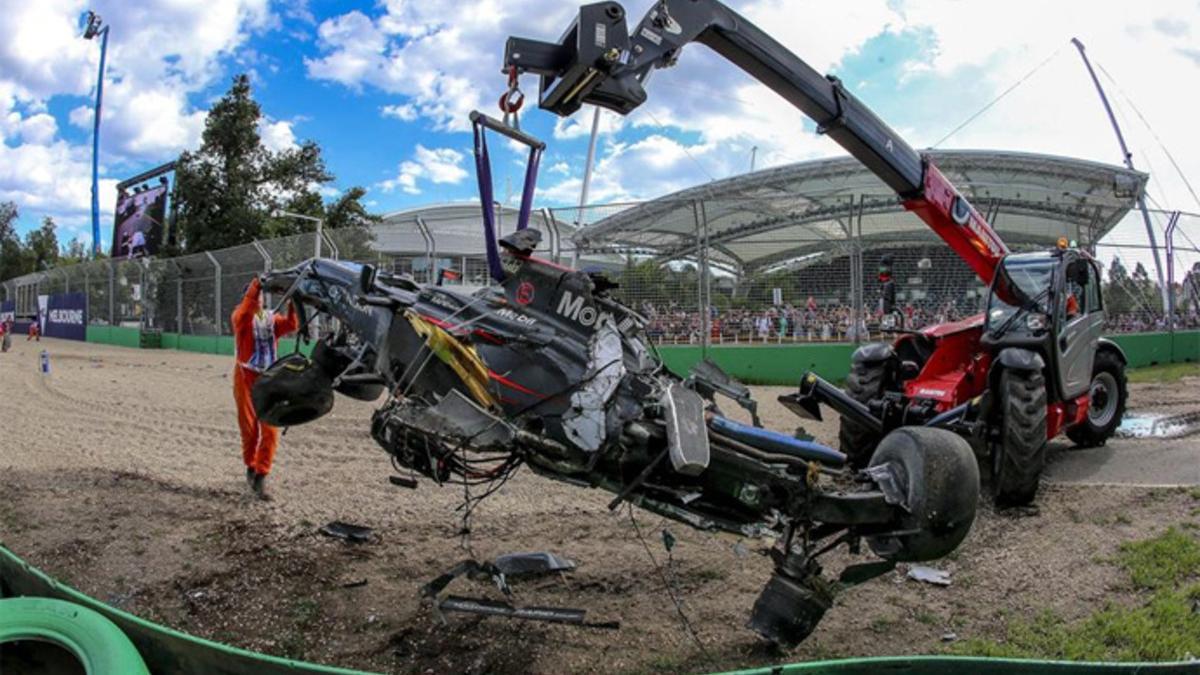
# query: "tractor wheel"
334 363
1018 459
939 475
864 383
1106 402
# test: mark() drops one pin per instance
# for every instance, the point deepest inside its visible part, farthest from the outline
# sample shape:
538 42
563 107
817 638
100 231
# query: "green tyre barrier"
97 642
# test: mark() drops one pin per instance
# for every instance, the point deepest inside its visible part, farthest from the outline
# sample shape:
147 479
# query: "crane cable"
996 100
1162 146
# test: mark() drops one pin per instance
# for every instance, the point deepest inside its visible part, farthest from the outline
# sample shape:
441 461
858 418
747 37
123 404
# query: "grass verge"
1169 372
1165 626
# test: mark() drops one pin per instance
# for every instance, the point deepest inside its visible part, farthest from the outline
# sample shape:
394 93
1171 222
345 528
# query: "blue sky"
384 88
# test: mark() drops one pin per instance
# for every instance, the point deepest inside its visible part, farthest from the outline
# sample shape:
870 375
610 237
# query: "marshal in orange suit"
256 333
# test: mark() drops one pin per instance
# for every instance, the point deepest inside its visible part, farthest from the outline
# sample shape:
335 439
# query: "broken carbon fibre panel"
461 357
586 421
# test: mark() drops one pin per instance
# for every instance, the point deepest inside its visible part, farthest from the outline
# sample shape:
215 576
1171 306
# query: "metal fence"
829 293
824 286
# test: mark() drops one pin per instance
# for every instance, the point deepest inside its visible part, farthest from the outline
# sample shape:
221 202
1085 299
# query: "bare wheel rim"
1102 406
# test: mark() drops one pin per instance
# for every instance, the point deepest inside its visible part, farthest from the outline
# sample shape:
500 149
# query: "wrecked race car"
547 370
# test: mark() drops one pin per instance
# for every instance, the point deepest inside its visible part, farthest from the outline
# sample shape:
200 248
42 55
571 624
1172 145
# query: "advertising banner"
65 316
8 311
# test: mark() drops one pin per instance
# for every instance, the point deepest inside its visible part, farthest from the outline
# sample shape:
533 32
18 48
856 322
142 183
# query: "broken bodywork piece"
499 571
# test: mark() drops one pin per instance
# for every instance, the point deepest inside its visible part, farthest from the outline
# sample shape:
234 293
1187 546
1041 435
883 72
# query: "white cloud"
160 52
37 129
648 168
437 165
444 62
442 59
579 125
277 135
560 168
405 112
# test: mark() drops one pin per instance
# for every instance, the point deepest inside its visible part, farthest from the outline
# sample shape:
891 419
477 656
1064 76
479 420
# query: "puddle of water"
1158 425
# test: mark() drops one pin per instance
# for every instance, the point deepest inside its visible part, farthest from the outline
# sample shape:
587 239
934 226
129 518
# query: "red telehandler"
1033 365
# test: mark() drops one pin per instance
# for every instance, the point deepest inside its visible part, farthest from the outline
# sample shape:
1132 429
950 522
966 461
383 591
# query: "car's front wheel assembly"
939 477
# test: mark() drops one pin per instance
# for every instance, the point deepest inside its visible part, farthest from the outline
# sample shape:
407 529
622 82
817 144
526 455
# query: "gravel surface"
121 473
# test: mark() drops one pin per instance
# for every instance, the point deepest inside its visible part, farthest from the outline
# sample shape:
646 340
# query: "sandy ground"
121 474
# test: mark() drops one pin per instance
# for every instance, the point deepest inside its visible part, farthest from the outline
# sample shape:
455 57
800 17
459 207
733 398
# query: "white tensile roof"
767 217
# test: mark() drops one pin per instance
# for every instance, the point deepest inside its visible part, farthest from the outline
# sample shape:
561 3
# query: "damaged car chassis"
546 369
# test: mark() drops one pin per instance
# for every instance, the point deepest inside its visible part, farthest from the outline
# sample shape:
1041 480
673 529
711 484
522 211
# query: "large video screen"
139 225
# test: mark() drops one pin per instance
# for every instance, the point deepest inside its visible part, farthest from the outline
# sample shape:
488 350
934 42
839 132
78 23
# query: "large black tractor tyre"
1020 455
865 382
334 363
939 476
1107 396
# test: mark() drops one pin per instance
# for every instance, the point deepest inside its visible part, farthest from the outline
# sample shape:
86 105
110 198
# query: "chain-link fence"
808 284
820 280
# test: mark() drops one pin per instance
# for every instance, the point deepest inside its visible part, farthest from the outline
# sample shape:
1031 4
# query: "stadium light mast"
1128 158
95 26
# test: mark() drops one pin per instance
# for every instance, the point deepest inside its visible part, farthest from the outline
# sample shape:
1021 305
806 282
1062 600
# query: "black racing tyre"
1107 397
939 475
334 363
865 382
1020 456
291 392
98 643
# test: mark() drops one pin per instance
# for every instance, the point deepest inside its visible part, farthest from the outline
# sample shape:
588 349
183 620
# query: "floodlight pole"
1128 157
587 169
92 31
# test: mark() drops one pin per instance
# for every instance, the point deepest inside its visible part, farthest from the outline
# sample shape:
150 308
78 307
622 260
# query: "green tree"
14 258
41 245
73 253
228 192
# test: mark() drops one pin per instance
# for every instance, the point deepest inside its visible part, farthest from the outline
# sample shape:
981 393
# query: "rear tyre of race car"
939 476
291 392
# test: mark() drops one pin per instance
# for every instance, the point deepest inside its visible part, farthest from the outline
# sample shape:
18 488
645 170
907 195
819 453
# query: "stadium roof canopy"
761 219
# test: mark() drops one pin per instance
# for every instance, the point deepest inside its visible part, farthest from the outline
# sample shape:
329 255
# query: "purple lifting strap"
483 172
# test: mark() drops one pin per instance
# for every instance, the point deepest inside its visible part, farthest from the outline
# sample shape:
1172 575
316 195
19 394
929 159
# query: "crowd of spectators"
1146 321
673 323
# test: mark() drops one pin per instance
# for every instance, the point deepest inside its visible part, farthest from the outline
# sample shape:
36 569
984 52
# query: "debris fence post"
217 292
178 298
112 292
1172 224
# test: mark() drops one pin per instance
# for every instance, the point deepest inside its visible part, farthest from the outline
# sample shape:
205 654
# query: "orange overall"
259 440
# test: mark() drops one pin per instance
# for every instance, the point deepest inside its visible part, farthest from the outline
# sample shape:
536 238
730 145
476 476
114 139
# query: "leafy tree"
229 190
42 245
14 259
348 210
73 253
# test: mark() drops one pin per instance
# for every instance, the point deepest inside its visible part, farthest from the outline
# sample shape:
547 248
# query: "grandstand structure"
811 235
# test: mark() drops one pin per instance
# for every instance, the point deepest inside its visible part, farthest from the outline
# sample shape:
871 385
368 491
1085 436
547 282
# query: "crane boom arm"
597 61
